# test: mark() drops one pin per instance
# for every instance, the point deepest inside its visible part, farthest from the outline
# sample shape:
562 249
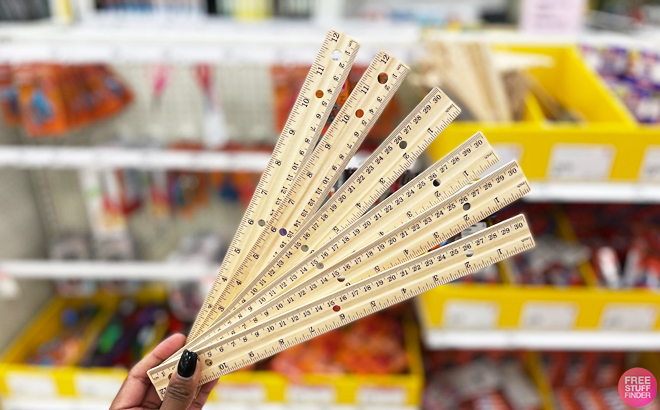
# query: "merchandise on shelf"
68 344
373 345
52 99
634 75
624 242
131 333
490 85
587 380
22 10
469 380
619 241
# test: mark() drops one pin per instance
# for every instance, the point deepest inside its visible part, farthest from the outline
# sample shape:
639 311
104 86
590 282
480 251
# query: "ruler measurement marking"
389 287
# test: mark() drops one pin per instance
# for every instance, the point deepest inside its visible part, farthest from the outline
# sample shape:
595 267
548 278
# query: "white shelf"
548 340
568 191
117 157
139 158
194 40
100 270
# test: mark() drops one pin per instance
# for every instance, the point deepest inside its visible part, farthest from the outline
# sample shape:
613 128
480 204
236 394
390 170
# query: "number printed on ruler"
423 193
376 87
301 131
352 302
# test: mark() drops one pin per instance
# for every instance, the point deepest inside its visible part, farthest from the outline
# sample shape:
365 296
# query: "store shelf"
548 340
193 40
136 158
116 157
594 192
162 271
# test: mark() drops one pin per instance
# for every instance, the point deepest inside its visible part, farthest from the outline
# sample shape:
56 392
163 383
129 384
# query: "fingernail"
187 364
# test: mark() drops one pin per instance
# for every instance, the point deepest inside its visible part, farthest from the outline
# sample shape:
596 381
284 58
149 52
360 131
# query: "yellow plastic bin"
98 386
607 146
544 317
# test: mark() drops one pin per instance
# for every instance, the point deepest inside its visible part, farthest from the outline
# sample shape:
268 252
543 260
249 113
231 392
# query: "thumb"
182 388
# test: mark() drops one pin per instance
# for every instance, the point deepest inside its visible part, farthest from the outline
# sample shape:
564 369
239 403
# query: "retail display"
133 137
313 308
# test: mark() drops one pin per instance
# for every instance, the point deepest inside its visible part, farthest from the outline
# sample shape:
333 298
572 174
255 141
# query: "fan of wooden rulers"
306 260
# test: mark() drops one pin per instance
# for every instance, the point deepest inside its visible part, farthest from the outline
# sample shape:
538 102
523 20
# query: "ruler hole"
336 308
382 78
336 55
304 248
169 376
466 206
403 144
469 253
209 362
319 93
359 113
282 231
261 222
341 278
319 265
436 182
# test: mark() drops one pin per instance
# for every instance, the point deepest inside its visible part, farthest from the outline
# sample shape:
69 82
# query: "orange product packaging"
77 101
40 100
108 92
9 108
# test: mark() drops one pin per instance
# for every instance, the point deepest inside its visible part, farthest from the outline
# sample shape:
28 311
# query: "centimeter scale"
303 263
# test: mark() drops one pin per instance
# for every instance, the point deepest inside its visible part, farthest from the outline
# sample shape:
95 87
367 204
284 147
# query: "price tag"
31 384
550 316
619 316
305 393
382 395
650 170
581 161
463 314
89 385
552 16
241 392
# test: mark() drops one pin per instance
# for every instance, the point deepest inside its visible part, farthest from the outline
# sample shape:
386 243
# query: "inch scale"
299 267
365 297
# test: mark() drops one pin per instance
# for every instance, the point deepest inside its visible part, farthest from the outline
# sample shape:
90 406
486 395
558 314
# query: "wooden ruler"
357 300
355 255
313 182
301 132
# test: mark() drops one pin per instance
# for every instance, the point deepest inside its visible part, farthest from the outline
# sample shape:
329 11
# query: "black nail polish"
187 364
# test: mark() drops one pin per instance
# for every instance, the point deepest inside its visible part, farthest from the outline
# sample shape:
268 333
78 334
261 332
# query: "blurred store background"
133 133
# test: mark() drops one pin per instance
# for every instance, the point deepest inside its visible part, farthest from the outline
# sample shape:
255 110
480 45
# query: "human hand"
137 392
